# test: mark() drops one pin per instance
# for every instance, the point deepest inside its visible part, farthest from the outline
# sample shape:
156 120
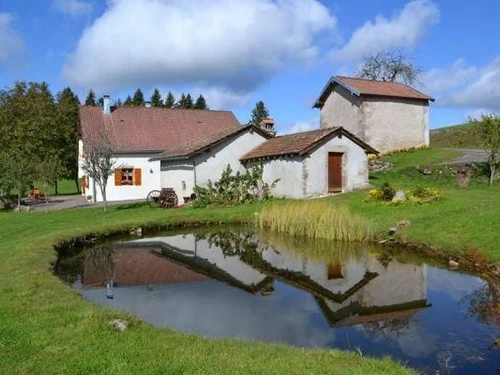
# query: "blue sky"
237 52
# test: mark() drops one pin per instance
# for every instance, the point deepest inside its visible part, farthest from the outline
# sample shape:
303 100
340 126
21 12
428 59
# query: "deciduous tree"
389 66
487 132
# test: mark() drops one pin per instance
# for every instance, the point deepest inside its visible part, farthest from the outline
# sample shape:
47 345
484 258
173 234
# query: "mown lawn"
47 328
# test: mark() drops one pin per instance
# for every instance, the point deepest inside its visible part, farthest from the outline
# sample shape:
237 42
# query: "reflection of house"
353 291
206 258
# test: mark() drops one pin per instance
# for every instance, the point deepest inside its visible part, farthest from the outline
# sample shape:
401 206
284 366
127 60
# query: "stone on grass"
403 223
119 324
453 264
399 196
392 231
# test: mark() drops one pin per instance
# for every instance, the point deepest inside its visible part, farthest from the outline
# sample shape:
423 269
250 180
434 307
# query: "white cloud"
12 48
476 88
220 98
232 45
72 7
403 30
303 126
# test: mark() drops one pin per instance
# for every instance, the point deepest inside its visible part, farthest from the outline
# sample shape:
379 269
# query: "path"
64 202
469 155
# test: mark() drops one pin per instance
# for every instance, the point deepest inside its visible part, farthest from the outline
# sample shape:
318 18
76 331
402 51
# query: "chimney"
106 105
268 125
147 104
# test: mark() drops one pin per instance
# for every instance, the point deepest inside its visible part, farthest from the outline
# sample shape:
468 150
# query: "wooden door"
334 172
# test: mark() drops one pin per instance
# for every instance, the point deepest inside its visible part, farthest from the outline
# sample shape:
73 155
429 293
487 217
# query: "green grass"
458 136
315 220
467 217
64 187
47 328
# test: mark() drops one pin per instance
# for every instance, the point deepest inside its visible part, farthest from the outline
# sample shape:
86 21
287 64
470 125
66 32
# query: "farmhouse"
313 163
386 115
157 148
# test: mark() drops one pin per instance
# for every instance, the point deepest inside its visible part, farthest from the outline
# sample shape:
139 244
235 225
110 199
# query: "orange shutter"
118 177
137 176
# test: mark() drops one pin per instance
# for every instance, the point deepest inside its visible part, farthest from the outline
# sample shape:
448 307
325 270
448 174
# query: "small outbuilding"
313 163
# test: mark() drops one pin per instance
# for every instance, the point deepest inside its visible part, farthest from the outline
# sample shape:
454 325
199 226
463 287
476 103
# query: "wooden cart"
164 198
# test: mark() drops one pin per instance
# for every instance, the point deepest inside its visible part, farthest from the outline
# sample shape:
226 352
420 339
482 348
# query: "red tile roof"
360 86
300 143
198 145
132 129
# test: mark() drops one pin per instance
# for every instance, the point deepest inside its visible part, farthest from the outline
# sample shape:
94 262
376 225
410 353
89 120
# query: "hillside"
459 136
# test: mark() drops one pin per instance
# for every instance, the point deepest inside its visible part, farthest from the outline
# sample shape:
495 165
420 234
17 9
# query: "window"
128 176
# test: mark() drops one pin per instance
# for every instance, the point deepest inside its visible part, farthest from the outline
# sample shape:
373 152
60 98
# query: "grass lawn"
458 136
64 187
47 328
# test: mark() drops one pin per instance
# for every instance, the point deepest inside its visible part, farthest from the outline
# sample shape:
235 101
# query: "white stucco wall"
289 172
150 178
354 167
384 123
209 165
392 124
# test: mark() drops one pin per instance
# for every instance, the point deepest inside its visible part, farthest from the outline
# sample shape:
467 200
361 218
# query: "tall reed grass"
315 219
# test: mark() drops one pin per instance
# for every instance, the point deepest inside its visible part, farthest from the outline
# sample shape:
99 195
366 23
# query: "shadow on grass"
129 206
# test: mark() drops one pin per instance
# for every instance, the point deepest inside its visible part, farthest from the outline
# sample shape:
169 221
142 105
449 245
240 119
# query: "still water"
270 288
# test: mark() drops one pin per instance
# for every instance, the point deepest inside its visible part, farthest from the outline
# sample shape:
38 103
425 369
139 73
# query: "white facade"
183 175
307 176
149 171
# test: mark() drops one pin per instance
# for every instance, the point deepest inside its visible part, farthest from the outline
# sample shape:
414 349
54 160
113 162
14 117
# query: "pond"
261 286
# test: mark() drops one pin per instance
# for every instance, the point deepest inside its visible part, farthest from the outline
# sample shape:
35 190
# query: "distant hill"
459 136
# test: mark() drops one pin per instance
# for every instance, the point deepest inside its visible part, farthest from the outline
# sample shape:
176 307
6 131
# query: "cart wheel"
153 198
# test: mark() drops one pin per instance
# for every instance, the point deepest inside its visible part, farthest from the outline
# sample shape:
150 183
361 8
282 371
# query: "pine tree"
118 103
90 99
128 102
182 102
156 100
200 103
259 113
189 102
170 100
138 99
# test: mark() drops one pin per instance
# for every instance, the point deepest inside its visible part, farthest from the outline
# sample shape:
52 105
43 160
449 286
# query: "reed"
317 219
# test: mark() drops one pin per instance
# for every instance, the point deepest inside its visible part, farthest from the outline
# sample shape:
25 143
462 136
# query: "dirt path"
470 155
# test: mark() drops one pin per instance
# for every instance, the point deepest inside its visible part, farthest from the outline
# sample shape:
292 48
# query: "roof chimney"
106 105
268 125
147 104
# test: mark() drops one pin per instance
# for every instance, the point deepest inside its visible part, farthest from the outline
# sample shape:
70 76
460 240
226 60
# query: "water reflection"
265 287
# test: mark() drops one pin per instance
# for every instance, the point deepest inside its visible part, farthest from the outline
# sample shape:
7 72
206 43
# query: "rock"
453 264
136 232
403 223
119 324
399 196
392 231
424 171
377 165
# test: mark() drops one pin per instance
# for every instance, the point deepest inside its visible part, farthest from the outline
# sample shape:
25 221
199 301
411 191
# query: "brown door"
334 172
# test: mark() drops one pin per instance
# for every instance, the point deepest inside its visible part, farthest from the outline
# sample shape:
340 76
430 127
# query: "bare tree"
487 132
389 66
98 163
47 172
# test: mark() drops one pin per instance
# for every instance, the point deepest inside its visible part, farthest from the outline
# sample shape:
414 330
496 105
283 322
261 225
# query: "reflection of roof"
198 145
360 86
301 143
200 265
139 266
152 129
354 313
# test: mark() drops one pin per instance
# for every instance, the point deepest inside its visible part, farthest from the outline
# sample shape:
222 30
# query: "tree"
200 103
487 133
189 102
182 102
389 66
118 103
67 120
138 98
156 100
259 113
47 172
128 102
169 100
98 163
90 99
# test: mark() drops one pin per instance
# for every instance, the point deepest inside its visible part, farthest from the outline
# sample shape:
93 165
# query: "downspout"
194 171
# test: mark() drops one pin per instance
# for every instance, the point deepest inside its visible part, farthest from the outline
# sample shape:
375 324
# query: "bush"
234 189
416 195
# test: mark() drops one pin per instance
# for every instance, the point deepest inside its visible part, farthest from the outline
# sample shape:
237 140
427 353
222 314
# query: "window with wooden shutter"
137 176
118 177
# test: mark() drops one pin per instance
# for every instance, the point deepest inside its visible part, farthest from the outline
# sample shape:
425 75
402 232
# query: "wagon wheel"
153 198
169 199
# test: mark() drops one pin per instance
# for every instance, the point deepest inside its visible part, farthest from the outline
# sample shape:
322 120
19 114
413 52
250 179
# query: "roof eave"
319 102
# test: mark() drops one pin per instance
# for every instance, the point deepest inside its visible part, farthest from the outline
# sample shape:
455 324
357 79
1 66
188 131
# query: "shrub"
387 191
234 189
314 219
416 195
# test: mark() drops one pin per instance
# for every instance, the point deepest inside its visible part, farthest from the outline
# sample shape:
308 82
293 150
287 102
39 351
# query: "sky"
237 52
